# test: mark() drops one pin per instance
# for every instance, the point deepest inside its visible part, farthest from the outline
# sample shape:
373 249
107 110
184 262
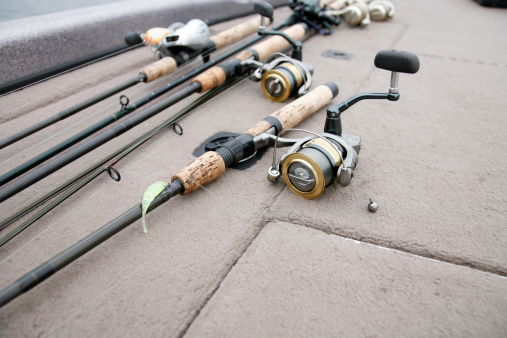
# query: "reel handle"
264 8
217 75
397 61
275 43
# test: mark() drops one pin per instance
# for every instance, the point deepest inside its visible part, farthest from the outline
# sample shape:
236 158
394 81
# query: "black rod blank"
16 187
45 270
70 111
97 141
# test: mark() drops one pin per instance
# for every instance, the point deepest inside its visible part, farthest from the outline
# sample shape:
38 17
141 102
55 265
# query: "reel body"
178 37
316 162
194 36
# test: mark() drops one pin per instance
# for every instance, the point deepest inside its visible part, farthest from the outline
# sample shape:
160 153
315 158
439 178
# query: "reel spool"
284 77
381 10
315 162
353 12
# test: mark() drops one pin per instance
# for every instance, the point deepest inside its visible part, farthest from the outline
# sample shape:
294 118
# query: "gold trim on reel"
315 162
282 77
281 82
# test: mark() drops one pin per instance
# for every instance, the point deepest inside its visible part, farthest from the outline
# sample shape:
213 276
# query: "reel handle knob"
397 61
263 8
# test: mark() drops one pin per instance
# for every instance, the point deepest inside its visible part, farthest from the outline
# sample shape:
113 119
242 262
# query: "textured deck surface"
246 258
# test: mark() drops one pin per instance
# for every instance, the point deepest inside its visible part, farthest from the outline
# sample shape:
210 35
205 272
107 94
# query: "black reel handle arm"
265 9
333 123
394 60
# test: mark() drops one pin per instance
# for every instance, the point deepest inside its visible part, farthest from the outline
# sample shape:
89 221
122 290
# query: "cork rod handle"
235 33
203 170
215 76
159 68
292 114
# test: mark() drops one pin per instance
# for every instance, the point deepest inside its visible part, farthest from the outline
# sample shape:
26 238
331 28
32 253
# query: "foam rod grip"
159 68
274 43
235 33
203 170
293 113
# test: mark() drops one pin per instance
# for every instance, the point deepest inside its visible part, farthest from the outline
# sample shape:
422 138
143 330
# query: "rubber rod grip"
159 68
292 114
235 33
274 43
203 170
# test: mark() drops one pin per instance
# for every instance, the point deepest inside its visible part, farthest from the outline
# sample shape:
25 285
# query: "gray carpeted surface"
243 257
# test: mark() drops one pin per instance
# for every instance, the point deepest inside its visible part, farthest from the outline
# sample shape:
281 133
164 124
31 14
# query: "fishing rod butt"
333 87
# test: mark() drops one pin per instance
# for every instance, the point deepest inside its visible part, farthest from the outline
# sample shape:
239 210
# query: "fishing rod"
203 170
196 37
105 165
281 77
125 110
208 80
47 74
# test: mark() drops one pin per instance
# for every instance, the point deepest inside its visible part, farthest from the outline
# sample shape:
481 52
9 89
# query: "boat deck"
242 257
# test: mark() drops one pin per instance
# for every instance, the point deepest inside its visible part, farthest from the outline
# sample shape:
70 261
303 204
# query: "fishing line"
55 223
131 94
79 181
165 249
61 88
213 109
77 185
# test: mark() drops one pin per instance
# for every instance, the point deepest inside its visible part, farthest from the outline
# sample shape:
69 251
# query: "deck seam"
434 257
260 226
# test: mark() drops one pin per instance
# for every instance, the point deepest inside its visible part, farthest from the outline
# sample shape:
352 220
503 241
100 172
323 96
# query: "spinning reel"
178 37
281 76
315 162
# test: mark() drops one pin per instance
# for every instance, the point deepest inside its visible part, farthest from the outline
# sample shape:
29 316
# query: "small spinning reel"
315 162
281 76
